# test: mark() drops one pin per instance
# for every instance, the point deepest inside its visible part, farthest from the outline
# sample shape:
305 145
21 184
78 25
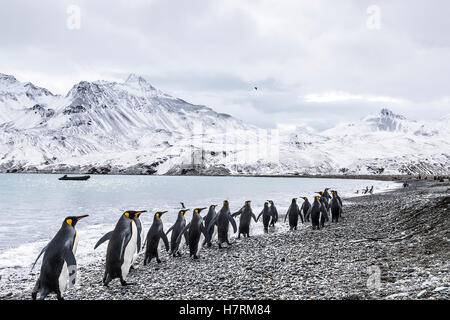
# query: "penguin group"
125 241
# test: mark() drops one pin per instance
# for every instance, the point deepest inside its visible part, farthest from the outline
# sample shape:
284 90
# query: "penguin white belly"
63 279
200 243
129 251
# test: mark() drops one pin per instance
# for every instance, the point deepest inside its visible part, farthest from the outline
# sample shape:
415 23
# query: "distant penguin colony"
59 266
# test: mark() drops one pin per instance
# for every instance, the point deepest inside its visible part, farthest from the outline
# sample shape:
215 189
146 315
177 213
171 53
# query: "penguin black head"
317 197
133 214
198 210
159 214
305 198
294 199
213 206
266 204
72 220
270 201
183 212
248 202
225 202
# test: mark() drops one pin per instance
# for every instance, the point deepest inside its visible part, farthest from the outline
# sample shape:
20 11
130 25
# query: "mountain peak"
389 114
7 78
135 79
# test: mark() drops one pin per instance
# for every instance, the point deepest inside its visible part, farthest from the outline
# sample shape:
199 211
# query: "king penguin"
176 230
121 248
208 218
317 213
293 213
274 213
155 233
59 267
335 207
223 220
266 214
305 208
196 230
246 214
140 236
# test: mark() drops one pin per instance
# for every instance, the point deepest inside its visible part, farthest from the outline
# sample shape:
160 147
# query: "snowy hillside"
132 127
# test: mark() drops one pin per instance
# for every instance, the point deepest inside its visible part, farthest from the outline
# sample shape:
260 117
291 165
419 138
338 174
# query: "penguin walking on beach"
121 248
246 214
59 266
176 230
223 221
317 212
335 207
326 194
208 218
196 231
324 202
305 208
155 233
267 215
293 213
140 236
274 213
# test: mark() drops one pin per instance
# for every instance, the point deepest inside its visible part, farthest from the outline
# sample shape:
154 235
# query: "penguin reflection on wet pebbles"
305 208
122 246
155 233
293 213
208 218
176 230
223 220
335 207
317 212
274 213
246 214
196 231
59 267
267 215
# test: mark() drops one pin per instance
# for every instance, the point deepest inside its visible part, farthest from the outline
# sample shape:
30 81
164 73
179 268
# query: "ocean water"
33 206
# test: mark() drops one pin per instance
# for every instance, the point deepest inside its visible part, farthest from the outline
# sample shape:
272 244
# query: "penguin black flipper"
166 241
106 237
259 216
287 214
237 212
206 234
254 217
69 258
233 223
170 229
181 234
212 223
125 241
40 254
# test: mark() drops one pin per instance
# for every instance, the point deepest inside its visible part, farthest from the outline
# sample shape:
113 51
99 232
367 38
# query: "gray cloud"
215 52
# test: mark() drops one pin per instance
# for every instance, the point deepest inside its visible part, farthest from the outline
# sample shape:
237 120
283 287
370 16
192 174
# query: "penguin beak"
162 212
137 214
81 217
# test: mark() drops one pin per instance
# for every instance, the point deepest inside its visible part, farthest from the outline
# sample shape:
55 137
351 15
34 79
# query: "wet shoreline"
393 245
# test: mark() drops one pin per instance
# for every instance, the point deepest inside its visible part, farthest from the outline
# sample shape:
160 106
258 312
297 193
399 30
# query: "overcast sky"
314 62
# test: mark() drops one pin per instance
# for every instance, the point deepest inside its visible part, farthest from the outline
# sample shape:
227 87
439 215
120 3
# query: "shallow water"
33 206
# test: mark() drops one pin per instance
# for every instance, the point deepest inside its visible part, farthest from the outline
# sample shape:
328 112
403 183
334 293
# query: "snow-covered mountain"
132 127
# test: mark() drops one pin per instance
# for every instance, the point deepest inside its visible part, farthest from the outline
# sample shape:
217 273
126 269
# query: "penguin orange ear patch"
127 214
69 222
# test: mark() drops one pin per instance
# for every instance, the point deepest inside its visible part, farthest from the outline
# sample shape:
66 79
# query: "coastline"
397 178
403 233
